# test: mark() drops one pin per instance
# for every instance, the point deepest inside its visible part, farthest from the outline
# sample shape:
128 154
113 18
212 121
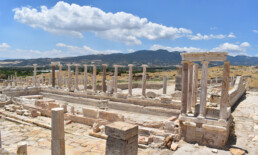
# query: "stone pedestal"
144 80
122 139
57 134
130 80
104 86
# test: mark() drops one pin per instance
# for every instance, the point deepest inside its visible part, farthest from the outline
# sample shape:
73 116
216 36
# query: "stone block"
52 105
19 112
22 148
35 113
110 116
151 94
121 130
89 113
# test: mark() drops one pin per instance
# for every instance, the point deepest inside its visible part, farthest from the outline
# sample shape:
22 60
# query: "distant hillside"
152 58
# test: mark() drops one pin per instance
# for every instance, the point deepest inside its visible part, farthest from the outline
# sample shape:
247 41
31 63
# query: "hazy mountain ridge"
152 58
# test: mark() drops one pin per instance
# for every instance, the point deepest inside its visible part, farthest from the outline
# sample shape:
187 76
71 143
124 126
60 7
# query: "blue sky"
42 28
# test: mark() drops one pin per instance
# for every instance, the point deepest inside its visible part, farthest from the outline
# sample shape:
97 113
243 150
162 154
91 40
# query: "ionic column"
85 80
130 80
224 92
195 84
76 80
94 81
104 86
57 133
203 94
190 87
35 75
60 76
164 84
144 80
184 87
115 78
53 75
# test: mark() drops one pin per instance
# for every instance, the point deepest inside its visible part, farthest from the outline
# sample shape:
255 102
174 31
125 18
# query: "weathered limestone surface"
195 84
115 78
224 101
203 94
76 77
164 84
53 75
94 79
190 87
57 142
104 86
184 87
60 76
130 80
69 77
35 75
122 139
144 80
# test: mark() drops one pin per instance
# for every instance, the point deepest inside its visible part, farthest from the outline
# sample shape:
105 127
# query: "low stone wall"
19 91
237 91
139 85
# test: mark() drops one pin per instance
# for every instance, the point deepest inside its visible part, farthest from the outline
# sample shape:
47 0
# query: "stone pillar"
104 85
144 80
115 79
94 81
190 87
130 80
42 78
15 78
85 80
72 110
203 94
60 76
184 87
69 80
76 79
122 139
53 75
57 134
22 148
35 75
164 84
195 84
224 92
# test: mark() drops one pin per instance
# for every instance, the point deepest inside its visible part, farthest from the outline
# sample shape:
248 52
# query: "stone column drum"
203 94
35 75
104 86
85 80
184 87
144 80
122 139
130 80
57 133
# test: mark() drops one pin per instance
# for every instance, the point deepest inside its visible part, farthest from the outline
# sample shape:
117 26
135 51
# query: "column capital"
185 61
60 65
76 65
130 65
69 65
144 66
85 65
104 65
34 65
116 66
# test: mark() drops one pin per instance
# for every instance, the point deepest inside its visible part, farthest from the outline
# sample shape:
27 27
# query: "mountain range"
158 58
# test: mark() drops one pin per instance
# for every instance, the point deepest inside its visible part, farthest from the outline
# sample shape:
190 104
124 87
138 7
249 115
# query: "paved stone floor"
246 118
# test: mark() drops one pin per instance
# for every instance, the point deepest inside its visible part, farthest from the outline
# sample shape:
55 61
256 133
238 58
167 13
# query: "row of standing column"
190 88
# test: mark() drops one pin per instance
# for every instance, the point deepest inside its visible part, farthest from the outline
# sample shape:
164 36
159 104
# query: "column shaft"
94 82
203 94
69 77
190 87
104 86
53 75
164 84
130 80
184 87
144 80
224 91
85 80
115 78
195 84
76 77
35 75
60 77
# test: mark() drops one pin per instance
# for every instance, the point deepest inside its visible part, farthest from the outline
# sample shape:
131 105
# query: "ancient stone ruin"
128 116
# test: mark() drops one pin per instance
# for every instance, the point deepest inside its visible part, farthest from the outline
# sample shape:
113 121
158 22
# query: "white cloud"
62 51
232 49
75 19
130 50
255 31
180 49
199 36
4 46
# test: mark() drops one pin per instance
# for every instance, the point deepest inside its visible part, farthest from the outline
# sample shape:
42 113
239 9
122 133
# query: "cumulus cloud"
180 49
232 49
73 19
255 31
199 36
61 50
4 46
